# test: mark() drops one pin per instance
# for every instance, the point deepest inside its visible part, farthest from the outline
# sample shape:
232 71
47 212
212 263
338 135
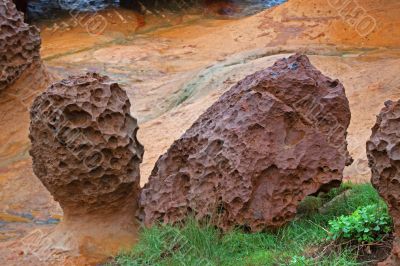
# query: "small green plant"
367 224
299 261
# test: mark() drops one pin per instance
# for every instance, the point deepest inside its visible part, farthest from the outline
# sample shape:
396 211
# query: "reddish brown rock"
84 145
19 43
272 139
85 152
383 151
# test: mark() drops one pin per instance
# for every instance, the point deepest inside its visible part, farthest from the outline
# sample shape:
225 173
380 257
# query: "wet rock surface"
272 139
84 145
39 9
19 44
383 151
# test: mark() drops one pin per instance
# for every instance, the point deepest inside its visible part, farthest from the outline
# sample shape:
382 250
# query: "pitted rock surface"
84 145
383 151
19 43
272 139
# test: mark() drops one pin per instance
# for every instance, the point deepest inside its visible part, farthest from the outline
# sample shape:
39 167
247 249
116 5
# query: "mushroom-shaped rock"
271 140
19 43
383 151
85 152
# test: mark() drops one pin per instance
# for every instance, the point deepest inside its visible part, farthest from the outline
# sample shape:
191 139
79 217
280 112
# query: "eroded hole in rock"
62 165
395 152
77 116
97 172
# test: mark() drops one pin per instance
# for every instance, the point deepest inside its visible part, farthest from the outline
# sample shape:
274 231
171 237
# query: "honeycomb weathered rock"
84 145
19 43
272 139
383 151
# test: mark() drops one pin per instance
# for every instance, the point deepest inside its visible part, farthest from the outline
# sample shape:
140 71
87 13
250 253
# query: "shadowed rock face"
383 151
272 139
19 44
22 5
84 145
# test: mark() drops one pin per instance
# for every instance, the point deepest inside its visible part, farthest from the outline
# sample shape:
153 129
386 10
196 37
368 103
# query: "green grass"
299 243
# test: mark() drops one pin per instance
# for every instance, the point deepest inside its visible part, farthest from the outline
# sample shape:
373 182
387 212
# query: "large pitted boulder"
271 140
85 152
19 43
383 151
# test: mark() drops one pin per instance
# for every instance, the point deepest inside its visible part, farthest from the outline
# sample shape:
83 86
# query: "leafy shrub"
366 224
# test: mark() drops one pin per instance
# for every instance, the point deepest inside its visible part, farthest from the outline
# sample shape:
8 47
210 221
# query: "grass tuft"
304 241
